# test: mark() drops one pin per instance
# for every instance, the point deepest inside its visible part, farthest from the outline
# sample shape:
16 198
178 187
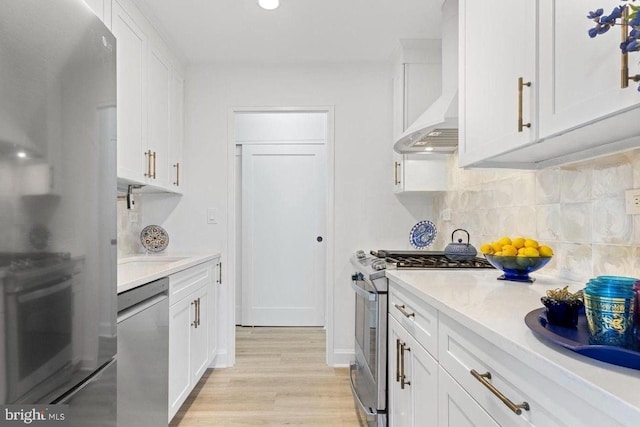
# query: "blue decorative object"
422 234
577 339
517 268
627 16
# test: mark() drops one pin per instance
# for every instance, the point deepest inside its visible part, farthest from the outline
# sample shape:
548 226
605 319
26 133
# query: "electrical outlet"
133 217
632 201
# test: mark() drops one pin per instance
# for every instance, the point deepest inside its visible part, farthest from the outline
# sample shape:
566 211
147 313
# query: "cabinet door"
421 371
580 78
398 399
413 380
497 47
131 92
456 408
159 116
213 311
181 317
177 132
199 357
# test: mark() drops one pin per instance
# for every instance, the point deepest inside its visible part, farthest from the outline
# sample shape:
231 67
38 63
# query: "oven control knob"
379 264
360 254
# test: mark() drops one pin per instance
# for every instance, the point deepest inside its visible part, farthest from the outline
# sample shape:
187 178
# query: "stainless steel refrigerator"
58 209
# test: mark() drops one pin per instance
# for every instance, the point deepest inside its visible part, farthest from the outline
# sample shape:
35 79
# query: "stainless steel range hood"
437 128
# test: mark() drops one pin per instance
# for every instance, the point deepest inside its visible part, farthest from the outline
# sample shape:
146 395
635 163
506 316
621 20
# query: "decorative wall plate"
154 238
422 234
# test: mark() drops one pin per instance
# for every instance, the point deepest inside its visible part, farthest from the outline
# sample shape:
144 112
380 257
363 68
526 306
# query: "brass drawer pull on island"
402 310
483 378
398 360
521 85
403 377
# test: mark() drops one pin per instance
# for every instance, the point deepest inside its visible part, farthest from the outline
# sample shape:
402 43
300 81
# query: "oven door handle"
66 283
368 411
370 296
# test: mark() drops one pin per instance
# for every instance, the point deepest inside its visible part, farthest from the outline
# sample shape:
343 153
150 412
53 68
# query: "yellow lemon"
509 250
497 247
521 251
545 251
504 241
499 253
518 242
486 248
530 243
532 252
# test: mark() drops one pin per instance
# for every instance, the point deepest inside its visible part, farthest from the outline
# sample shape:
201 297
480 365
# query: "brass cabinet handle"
521 84
154 165
396 175
147 155
219 280
194 303
397 360
177 182
484 379
624 60
403 381
402 310
198 311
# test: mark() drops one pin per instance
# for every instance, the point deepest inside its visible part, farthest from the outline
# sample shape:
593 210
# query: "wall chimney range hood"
436 129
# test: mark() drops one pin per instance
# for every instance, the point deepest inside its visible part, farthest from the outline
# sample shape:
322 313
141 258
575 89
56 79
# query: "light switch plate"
445 215
133 217
212 215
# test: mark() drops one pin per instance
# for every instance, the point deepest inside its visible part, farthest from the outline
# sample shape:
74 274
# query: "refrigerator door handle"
368 411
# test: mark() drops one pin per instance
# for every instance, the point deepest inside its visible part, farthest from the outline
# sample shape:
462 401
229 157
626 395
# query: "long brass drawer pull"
194 303
397 360
521 85
402 310
147 155
403 377
177 181
483 378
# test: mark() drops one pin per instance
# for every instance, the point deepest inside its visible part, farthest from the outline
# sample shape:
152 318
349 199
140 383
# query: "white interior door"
283 214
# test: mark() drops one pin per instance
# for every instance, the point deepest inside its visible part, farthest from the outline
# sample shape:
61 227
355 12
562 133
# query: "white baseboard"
220 361
342 357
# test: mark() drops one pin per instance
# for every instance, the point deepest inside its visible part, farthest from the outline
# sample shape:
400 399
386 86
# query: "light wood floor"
280 378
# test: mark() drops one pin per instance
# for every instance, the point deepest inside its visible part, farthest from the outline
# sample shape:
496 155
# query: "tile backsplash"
128 230
578 210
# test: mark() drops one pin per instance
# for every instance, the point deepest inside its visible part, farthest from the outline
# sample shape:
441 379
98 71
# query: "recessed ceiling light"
269 4
21 154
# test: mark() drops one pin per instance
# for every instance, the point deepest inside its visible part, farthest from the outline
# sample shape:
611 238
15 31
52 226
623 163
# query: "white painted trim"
342 357
228 359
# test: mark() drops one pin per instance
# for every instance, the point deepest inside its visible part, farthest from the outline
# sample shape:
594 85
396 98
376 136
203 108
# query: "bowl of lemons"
517 257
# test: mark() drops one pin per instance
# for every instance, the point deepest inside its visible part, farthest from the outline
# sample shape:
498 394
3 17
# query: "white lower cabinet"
466 380
413 380
191 317
456 408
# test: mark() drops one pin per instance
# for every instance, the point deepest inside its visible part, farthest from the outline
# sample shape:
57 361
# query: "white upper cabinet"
131 92
150 103
497 49
580 78
419 172
575 103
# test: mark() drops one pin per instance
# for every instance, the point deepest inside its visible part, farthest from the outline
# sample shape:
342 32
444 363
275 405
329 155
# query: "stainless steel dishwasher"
143 355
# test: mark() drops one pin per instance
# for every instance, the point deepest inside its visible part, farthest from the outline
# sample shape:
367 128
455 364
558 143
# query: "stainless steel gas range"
368 372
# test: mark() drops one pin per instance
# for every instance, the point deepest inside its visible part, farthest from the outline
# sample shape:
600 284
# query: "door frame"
230 308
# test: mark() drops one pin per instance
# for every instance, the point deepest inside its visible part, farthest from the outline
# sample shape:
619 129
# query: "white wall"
367 213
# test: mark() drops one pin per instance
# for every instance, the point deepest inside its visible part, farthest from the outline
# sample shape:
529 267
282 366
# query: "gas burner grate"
412 260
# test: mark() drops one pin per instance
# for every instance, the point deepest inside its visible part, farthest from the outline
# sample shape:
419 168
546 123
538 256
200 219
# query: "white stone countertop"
137 270
495 310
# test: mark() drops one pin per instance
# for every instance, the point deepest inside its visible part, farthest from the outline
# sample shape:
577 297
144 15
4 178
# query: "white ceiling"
207 31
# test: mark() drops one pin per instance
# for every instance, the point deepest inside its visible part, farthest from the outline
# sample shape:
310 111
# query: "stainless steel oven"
38 313
368 373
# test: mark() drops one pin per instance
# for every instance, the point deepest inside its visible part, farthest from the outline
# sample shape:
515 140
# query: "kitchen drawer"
416 316
186 281
550 403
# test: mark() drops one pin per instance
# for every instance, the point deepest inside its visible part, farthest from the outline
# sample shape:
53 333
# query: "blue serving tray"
577 339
